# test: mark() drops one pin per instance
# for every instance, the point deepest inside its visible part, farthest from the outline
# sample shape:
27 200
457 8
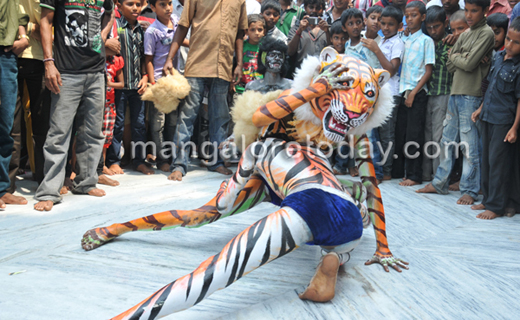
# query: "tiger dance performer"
315 207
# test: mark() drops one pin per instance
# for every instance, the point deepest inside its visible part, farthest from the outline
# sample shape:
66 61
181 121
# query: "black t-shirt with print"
78 46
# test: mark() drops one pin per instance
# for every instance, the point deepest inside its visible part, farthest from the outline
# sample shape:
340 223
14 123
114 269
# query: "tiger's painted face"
342 110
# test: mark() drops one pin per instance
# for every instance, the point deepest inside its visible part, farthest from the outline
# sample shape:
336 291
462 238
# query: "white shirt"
393 48
252 6
439 3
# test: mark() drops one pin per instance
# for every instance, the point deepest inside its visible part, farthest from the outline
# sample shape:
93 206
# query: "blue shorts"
332 219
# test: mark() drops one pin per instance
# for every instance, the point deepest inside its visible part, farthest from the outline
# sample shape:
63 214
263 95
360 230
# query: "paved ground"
460 267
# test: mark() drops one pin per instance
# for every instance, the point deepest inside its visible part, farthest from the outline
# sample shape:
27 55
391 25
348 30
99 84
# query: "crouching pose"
315 208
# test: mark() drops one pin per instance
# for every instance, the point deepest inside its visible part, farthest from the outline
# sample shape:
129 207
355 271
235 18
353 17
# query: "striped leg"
271 237
251 194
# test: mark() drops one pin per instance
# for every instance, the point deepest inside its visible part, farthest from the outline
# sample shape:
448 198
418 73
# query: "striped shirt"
132 51
440 81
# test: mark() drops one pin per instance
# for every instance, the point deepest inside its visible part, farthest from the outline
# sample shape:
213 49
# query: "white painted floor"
460 267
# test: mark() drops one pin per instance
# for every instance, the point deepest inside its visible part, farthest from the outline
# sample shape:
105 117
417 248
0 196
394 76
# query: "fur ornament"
245 132
167 92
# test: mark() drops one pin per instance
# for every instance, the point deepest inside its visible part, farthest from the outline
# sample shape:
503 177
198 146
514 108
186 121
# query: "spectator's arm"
106 24
390 66
426 76
470 60
239 49
178 39
52 76
119 81
148 61
295 34
512 134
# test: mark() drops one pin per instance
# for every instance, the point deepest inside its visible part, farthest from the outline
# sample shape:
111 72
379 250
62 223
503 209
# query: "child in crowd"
115 80
353 23
131 36
271 11
373 23
157 40
499 115
458 23
466 63
338 37
390 54
417 67
499 23
439 88
255 33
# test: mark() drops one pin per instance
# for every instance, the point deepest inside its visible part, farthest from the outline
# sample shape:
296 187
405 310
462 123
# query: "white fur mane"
309 69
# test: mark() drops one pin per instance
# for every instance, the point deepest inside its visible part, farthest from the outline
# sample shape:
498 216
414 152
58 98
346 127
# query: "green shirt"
440 81
250 66
289 18
10 19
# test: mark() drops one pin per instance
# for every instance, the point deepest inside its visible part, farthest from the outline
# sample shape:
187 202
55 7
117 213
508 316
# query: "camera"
313 20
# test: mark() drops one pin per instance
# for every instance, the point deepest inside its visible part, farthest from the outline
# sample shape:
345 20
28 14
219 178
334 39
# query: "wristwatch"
23 36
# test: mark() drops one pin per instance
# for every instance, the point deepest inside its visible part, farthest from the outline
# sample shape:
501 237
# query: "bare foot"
408 183
385 178
97 193
44 205
144 169
354 172
223 170
487 215
67 185
95 238
478 207
2 204
9 198
116 169
323 285
336 172
107 171
455 186
465 200
175 176
510 212
64 190
103 179
427 189
165 167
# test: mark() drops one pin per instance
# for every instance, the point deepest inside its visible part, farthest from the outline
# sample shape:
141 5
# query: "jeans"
458 128
138 128
82 96
162 128
31 72
218 120
8 93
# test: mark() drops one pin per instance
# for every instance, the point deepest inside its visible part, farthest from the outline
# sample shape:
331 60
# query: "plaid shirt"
440 81
132 51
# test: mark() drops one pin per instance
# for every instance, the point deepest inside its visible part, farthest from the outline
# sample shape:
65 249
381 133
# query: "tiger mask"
365 105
